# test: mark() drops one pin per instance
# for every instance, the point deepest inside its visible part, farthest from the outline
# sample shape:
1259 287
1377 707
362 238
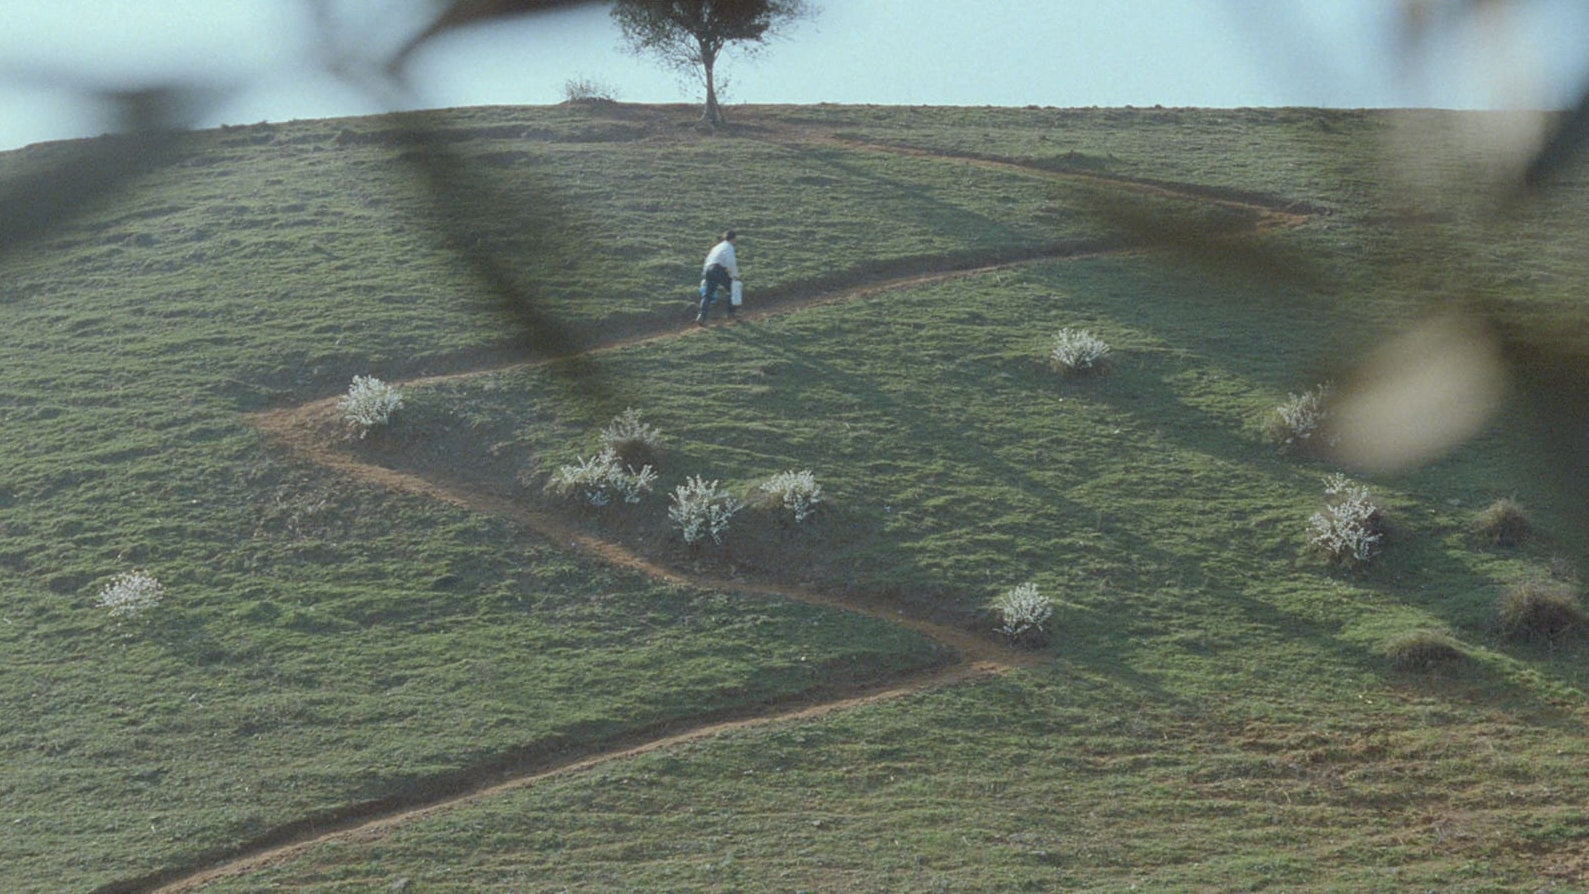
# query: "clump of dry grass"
1424 650
1503 523
1539 611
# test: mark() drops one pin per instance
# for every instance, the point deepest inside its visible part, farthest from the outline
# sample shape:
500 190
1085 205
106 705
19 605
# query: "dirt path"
302 431
1271 213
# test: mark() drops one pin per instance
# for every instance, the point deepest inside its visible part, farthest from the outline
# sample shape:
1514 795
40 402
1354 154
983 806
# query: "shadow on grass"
939 216
1142 620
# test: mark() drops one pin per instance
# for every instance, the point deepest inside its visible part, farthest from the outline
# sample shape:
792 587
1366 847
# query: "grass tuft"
1539 611
1421 650
1503 523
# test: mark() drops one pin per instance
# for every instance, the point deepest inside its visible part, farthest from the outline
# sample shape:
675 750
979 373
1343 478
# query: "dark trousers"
716 278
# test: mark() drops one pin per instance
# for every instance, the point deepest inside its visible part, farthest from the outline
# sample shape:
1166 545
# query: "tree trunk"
711 115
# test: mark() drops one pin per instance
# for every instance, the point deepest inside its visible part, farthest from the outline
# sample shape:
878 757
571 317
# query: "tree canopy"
690 35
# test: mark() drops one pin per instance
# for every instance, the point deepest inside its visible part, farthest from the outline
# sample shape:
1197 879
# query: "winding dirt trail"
301 430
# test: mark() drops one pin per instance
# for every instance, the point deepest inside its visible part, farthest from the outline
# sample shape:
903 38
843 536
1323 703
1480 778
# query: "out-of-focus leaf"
456 187
464 13
1419 395
1551 371
461 195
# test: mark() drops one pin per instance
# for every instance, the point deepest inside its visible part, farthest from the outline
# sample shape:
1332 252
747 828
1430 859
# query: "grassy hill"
357 627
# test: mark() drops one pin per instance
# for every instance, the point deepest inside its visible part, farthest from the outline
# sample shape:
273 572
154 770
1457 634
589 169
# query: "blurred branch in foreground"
146 122
469 13
1491 342
453 183
145 125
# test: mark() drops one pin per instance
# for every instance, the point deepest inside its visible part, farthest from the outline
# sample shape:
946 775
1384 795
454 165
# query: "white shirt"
722 253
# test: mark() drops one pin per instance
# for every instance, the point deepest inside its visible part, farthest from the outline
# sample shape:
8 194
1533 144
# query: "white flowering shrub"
129 595
1349 529
1078 351
587 90
1300 422
602 478
636 443
369 402
631 485
797 492
702 509
1022 612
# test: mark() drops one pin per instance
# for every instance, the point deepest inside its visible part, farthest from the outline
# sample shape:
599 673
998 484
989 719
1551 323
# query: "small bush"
587 90
635 443
1350 528
700 509
130 595
1022 612
601 478
1539 611
1503 523
797 492
369 402
1078 352
1424 650
1299 423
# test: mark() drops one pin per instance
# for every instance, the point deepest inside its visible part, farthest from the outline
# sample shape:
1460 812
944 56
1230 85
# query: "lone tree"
690 35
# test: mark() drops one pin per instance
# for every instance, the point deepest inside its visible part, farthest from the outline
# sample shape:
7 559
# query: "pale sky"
265 56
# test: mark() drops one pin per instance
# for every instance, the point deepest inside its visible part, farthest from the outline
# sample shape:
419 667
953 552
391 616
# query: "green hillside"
354 628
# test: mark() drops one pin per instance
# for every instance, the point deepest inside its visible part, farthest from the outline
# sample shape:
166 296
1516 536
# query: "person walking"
720 271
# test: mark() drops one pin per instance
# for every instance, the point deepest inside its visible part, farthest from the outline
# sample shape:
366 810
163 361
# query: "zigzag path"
302 431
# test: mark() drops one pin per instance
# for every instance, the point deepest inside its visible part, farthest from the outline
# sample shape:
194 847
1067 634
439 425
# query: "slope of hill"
400 658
